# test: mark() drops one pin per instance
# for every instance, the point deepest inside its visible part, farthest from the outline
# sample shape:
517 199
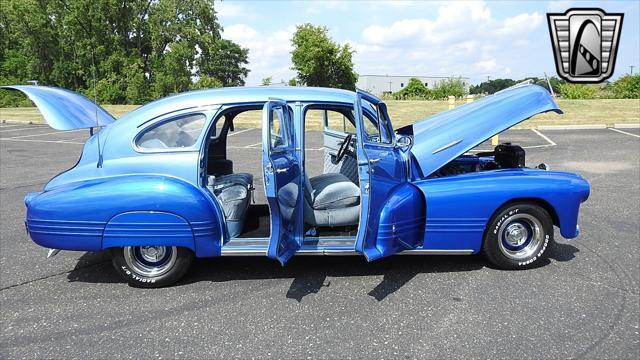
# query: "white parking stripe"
624 132
48 133
20 129
9 125
252 145
42 141
239 132
551 143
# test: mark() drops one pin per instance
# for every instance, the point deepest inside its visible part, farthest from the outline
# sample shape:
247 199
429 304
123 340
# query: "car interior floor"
257 224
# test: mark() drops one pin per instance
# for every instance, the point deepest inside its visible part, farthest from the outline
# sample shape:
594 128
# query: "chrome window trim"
208 112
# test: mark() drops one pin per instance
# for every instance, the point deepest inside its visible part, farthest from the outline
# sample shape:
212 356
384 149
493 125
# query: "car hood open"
63 109
443 137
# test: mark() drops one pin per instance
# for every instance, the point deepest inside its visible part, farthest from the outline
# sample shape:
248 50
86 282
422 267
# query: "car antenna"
95 103
553 95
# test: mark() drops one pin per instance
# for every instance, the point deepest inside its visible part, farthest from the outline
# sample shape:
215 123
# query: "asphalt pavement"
581 303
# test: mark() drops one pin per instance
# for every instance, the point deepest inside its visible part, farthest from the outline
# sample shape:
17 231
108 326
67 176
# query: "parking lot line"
551 143
239 132
9 125
48 133
624 132
20 129
42 141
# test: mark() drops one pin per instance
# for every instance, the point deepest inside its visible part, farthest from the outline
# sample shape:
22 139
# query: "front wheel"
151 266
517 236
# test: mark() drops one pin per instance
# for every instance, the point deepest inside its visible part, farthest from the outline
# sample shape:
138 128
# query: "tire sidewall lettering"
504 217
137 278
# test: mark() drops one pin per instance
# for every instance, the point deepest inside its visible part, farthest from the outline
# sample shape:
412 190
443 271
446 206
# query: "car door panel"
282 180
393 211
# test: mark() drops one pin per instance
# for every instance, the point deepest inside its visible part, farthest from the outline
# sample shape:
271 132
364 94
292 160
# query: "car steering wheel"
342 151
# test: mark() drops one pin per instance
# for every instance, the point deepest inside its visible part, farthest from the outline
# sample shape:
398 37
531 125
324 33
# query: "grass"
402 112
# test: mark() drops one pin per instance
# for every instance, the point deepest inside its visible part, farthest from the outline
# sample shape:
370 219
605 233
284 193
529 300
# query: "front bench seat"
331 200
233 191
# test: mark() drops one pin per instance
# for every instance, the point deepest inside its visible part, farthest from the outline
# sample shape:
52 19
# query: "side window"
219 126
371 127
376 123
336 121
180 132
278 134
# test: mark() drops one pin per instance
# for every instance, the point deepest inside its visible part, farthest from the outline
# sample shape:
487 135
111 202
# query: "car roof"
236 95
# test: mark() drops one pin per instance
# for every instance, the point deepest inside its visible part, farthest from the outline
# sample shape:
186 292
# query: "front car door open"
393 211
282 180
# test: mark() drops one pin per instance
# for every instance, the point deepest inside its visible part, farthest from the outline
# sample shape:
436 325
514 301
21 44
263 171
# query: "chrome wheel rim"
150 261
519 236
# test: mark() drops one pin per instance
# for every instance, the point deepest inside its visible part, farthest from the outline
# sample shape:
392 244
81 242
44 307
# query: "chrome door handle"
374 161
283 170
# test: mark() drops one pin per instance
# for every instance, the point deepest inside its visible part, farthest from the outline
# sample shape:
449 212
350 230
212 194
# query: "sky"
474 39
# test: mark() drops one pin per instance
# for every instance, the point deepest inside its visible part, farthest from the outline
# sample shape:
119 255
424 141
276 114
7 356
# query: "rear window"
177 133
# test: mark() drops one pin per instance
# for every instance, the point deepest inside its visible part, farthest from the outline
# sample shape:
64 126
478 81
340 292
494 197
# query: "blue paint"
63 109
140 198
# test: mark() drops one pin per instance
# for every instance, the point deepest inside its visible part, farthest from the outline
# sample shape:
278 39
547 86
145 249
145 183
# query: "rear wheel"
151 266
518 236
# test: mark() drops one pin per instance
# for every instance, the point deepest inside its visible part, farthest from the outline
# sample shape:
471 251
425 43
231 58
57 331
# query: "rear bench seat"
233 191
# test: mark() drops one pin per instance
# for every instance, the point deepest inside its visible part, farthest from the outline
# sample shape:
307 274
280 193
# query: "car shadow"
309 274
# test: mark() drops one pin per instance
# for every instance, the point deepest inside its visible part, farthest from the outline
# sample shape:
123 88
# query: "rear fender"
75 216
148 228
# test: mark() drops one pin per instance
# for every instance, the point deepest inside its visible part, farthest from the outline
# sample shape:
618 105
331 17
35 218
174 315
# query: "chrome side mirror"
404 143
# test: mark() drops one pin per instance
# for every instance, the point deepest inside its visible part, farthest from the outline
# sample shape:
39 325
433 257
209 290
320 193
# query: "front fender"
459 207
74 216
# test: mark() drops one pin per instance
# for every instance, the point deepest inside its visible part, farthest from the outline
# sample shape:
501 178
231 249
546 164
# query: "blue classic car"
157 189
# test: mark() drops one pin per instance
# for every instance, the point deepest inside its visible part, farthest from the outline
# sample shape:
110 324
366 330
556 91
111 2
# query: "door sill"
330 246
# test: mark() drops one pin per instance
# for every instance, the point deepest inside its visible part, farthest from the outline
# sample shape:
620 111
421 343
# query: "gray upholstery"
333 191
348 166
331 200
233 191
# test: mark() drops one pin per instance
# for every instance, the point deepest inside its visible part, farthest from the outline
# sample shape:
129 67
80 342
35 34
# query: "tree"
449 87
491 86
415 90
577 91
267 81
626 87
319 61
137 49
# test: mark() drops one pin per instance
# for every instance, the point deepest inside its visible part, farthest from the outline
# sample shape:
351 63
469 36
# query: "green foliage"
491 86
293 82
206 82
138 49
319 61
495 85
578 91
267 81
415 90
449 87
626 87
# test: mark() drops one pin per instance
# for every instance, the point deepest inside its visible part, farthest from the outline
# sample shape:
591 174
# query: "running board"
319 246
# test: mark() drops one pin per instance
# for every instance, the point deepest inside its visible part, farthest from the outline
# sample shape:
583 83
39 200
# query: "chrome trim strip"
339 252
243 252
446 146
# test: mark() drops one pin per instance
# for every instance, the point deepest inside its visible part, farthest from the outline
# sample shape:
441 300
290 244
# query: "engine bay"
503 156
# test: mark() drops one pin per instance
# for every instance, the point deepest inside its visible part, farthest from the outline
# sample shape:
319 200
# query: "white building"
378 84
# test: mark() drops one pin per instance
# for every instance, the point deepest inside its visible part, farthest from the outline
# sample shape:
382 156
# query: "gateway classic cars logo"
585 43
